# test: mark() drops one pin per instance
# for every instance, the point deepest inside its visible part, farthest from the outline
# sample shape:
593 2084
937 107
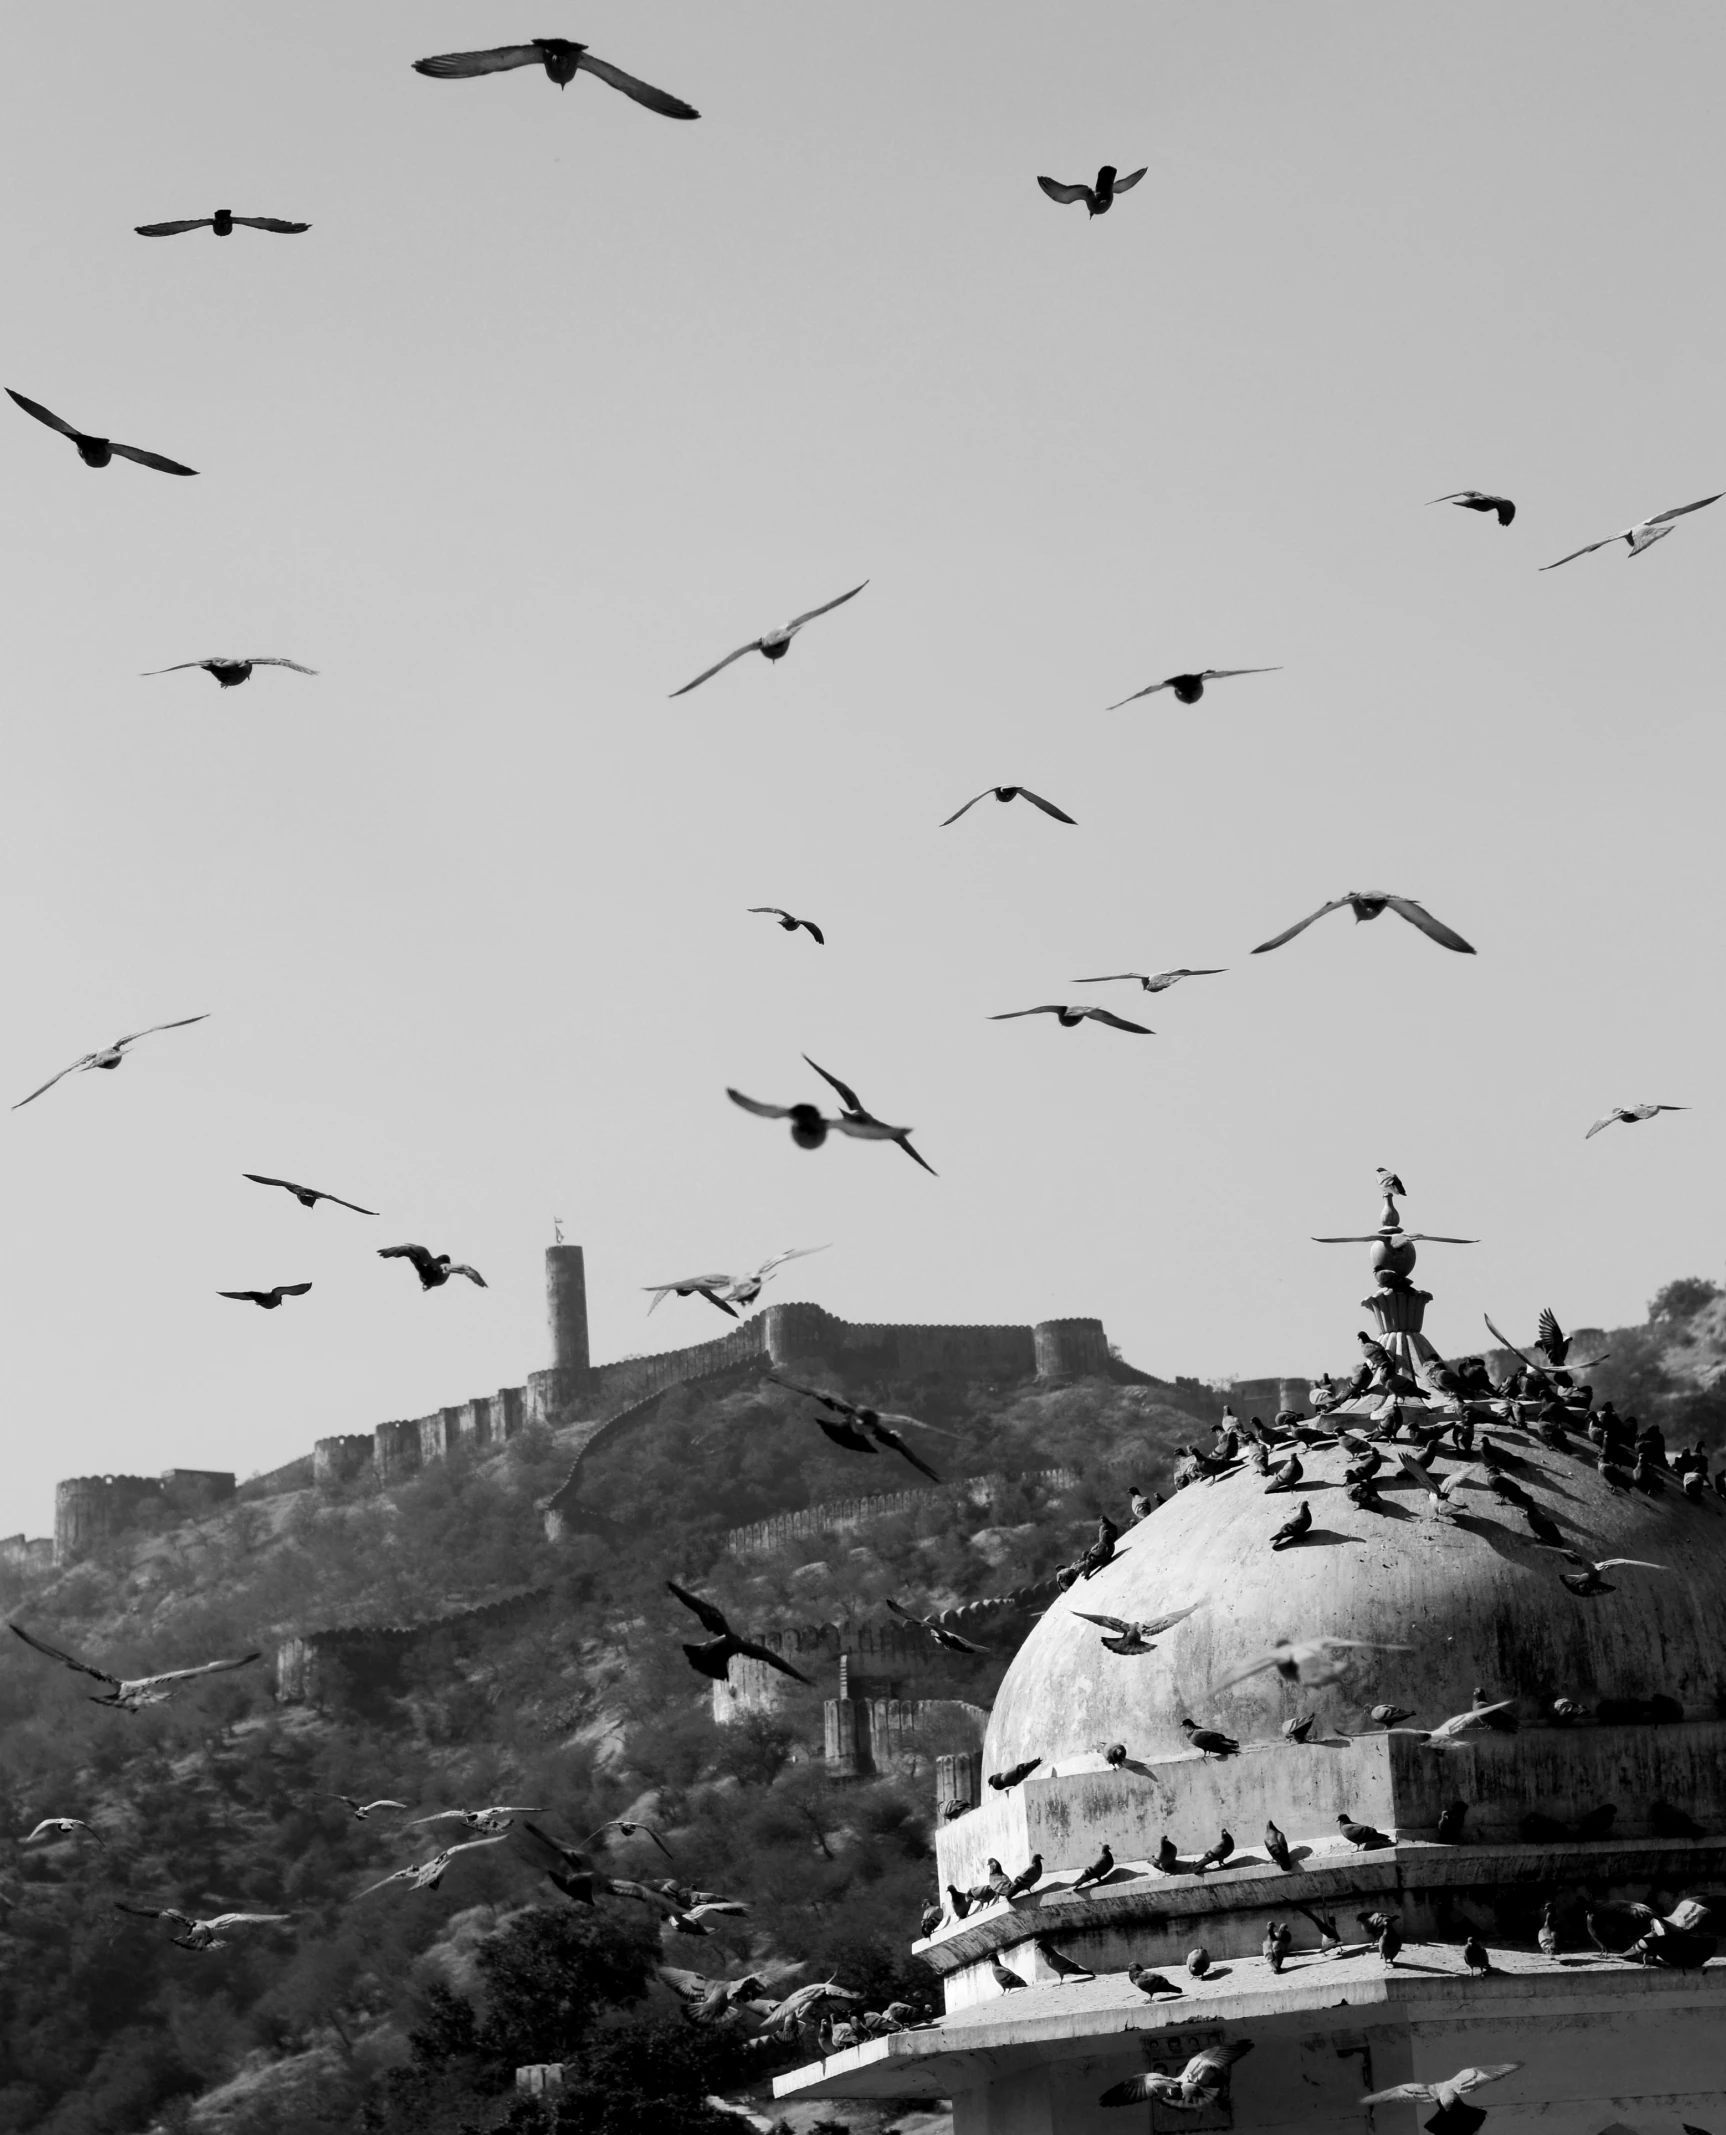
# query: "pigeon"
938 1632
1217 1855
996 1885
1477 500
1285 1477
1167 1860
1564 1710
362 1809
1151 1983
1199 1961
1210 1741
1190 688
1629 1115
1114 1755
1326 1925
727 1291
1098 198
1141 1506
1279 1940
1292 1529
1099 1870
1156 981
773 644
1543 1527
1386 1932
1450 1822
98 451
1478 1720
1010 793
1102 1550
1069 1018
1298 1729
133 1693
1004 1978
306 1196
1452 2117
855 1111
268 1299
1277 1846
562 59
1134 1638
1026 1880
960 1901
1643 534
1203 2081
211 1934
1547 1935
224 222
1390 1715
1668 1822
1369 904
230 671
789 923
713 1658
427 1875
1474 1955
62 1827
433 1269
1063 1966
1015 1775
1587 1581
1308 1661
861 1430
108 1056
810 1128
931 1919
1362 1837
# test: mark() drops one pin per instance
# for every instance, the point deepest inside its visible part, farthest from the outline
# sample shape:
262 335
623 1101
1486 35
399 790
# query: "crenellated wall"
33 1555
761 1536
89 1507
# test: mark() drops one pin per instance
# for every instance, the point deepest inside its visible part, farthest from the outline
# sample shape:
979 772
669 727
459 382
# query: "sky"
559 400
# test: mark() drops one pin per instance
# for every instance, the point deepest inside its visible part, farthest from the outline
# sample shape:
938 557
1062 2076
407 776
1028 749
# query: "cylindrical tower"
1071 1349
566 1307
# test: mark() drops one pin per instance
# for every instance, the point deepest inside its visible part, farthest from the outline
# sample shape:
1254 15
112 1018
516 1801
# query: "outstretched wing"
1503 1344
660 100
1470 2079
1065 194
1420 2093
1105 1015
1252 1668
179 667
44 415
794 1252
421 1256
161 464
172 229
1678 510
461 66
52 1079
1639 1564
797 621
1214 2061
273 222
1137 2089
1415 1472
891 1439
179 1023
1228 674
1150 690
1417 915
1048 807
181 1675
1550 1336
753 1652
1300 926
710 1617
1605 541
847 1096
1108 1623
473 1274
754 1104
954 817
68 1660
1606 1119
155 1912
708 673
223 1920
272 660
1126 184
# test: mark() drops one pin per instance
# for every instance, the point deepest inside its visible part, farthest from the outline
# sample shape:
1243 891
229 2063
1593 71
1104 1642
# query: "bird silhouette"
772 644
494 1817
1369 904
1629 1116
1277 1846
98 451
713 1658
132 1693
427 1875
1478 500
852 1108
62 1827
268 1299
211 1934
1155 981
1293 1528
1015 1775
433 1269
727 1291
108 1056
1071 1018
1588 1581
562 59
306 1196
1364 1838
229 670
1063 1966
1643 534
810 1127
862 1429
362 1809
1010 793
1135 1638
1203 2080
1190 688
224 222
1453 2116
789 922
1098 1871
1098 198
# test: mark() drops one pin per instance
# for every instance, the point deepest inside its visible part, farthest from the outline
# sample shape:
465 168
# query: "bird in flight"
211 1934
562 60
429 1874
1070 1018
62 1827
1627 1115
1203 2081
857 1427
1308 1660
714 1656
1133 1639
132 1693
271 1298
108 1056
230 673
1550 1339
1452 2117
810 1127
1010 793
789 922
1642 535
1098 198
727 1291
494 1817
775 644
1587 1580
857 1112
1155 981
1189 689
306 1196
433 1269
224 222
98 451
1478 500
1368 904
938 1632
363 1809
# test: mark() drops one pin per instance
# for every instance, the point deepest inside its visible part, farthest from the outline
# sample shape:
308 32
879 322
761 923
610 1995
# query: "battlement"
89 1507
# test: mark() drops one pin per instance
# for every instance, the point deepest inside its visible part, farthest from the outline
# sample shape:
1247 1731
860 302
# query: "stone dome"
1473 1596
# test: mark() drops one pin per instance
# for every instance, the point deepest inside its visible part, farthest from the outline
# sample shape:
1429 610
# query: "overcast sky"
560 400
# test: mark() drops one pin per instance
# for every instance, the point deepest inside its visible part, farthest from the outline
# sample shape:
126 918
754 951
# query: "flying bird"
1629 1116
1010 793
493 1818
858 1113
363 1809
1308 1660
306 1196
810 1127
433 1269
562 59
268 1299
132 1693
774 644
427 1875
727 1291
860 1430
211 1934
223 222
1452 2117
1189 689
1587 1580
108 1056
1478 500
1156 981
98 451
1478 1720
1643 534
1071 1018
1098 198
938 1632
62 1827
790 923
627 1827
1369 904
1015 1775
229 671
1204 2079
713 1658
1135 1638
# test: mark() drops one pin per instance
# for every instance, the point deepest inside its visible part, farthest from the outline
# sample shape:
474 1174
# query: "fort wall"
762 1536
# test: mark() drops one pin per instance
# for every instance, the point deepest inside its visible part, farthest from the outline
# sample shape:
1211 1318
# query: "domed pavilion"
1576 1797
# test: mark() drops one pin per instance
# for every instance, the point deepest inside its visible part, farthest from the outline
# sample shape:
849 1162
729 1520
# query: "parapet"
32 1555
335 1460
1071 1349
